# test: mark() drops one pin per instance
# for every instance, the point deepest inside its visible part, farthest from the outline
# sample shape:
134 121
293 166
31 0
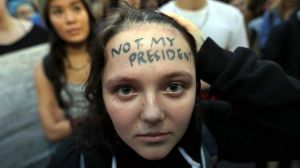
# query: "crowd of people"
121 86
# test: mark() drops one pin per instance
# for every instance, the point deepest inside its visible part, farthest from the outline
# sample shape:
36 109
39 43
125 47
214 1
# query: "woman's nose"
69 17
152 113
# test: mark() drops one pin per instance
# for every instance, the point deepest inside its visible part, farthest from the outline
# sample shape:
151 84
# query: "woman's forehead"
147 30
149 44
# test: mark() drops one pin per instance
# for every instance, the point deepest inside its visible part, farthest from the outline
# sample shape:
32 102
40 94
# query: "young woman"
61 76
143 90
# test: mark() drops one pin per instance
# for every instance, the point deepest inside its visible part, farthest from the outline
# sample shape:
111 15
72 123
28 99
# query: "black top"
37 35
259 120
283 45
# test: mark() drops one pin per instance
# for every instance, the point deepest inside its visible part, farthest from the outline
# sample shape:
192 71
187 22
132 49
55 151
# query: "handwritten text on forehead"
151 55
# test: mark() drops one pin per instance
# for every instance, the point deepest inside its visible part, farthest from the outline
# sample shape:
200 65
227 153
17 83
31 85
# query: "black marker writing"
170 40
123 47
138 43
151 56
161 39
170 54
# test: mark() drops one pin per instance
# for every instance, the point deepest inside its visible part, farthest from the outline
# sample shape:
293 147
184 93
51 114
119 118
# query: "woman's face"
149 88
70 20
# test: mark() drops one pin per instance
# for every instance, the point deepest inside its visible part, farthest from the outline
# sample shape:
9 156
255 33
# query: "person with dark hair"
220 21
145 110
62 74
24 10
283 45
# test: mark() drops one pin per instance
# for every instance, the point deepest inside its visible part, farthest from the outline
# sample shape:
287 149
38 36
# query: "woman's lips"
153 137
74 31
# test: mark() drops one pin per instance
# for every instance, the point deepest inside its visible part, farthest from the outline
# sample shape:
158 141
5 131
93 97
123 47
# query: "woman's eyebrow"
119 78
123 78
179 73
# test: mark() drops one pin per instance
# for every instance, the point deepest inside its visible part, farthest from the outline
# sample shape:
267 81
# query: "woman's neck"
191 4
77 63
79 49
77 56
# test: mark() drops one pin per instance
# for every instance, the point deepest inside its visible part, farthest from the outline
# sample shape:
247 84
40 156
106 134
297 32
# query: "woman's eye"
175 87
56 12
77 8
125 90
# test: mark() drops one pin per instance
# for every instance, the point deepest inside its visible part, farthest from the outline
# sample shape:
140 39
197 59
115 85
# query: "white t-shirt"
219 21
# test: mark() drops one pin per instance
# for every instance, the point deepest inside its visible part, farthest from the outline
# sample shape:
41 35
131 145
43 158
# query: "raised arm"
262 120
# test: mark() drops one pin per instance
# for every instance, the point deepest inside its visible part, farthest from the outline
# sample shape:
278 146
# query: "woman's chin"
154 154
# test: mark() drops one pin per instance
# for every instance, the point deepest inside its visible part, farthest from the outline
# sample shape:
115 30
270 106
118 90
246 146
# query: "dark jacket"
283 45
258 121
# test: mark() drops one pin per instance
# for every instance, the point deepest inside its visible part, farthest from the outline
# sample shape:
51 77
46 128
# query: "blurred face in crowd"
25 11
149 87
70 20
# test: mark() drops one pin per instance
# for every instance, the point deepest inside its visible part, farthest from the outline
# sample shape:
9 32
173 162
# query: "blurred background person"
222 22
97 7
37 18
22 45
27 9
271 17
283 44
257 9
61 76
22 9
279 11
18 33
